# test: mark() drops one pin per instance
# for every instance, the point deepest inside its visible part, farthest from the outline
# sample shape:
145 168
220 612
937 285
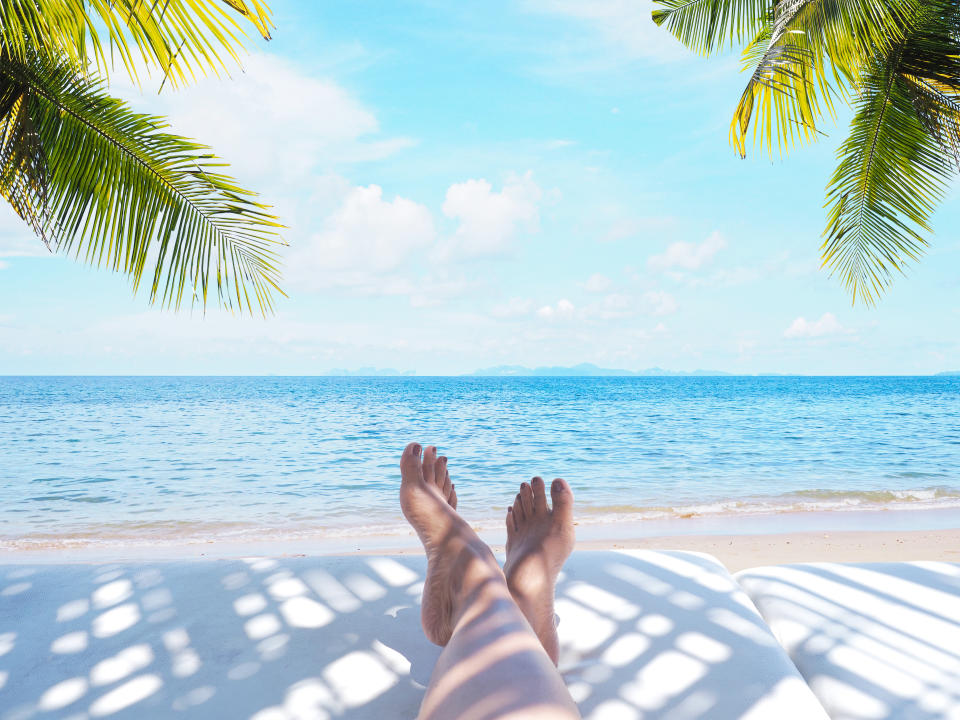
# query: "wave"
799 501
390 527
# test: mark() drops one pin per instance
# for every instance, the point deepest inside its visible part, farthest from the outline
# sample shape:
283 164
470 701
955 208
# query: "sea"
151 460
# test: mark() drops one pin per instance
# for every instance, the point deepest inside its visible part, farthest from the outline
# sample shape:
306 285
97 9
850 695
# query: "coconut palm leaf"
896 163
115 188
23 177
178 38
708 25
809 54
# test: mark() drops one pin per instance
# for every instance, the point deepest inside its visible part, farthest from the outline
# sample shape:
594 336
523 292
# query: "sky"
465 185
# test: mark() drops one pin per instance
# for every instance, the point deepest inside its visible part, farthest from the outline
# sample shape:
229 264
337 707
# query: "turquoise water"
143 459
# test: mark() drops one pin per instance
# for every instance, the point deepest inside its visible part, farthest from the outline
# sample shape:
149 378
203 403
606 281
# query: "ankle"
479 576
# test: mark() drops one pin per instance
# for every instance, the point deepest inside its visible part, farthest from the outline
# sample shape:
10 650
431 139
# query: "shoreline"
736 551
397 536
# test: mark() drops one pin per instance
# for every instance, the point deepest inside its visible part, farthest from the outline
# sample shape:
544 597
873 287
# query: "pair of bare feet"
539 540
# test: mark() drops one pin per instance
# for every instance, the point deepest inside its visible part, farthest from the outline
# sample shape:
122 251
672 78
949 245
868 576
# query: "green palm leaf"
896 163
180 38
708 25
120 191
897 62
810 52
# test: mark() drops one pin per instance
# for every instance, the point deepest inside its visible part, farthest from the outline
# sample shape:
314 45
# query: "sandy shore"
736 552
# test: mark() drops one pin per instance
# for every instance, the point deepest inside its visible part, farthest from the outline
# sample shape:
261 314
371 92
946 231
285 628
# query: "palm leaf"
120 191
708 25
894 166
809 53
179 38
23 177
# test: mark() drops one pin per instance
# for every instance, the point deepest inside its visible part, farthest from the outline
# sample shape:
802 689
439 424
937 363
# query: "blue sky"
535 182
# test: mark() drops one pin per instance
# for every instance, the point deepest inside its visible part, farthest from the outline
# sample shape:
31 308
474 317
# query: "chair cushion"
651 634
877 641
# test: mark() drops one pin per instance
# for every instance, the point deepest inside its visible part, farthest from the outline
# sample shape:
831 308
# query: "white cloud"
597 283
273 122
624 26
803 328
563 309
515 307
622 305
688 256
361 241
16 237
611 307
489 221
658 302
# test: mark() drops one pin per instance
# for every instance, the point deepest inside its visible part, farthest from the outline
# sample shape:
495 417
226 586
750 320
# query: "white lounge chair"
645 634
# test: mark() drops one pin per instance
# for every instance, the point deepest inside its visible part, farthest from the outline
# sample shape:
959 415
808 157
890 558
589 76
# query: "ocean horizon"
101 460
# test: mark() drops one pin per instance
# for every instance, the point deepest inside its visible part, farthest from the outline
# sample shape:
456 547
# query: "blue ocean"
146 459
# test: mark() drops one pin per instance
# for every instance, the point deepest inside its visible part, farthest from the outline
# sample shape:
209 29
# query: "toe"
518 515
410 462
429 463
526 498
453 497
511 524
539 495
446 485
440 475
562 497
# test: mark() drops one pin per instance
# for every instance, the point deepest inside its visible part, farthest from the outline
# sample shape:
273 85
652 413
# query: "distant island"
586 370
581 370
369 372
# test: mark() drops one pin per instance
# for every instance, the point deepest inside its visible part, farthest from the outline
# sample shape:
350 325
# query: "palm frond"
178 38
23 177
894 168
708 25
808 54
118 190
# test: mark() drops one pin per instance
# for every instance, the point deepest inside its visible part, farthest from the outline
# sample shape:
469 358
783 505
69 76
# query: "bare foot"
539 540
456 557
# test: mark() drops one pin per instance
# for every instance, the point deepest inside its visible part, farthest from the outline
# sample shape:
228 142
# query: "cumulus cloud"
16 237
612 306
624 26
563 309
803 328
688 256
489 221
622 305
658 302
273 122
515 307
366 237
597 283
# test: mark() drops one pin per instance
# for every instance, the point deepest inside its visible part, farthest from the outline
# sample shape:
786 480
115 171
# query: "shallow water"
102 459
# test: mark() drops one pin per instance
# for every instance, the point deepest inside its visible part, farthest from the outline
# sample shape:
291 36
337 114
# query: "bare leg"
539 540
493 665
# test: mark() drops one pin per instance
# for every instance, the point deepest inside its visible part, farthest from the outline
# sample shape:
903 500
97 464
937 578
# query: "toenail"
416 449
